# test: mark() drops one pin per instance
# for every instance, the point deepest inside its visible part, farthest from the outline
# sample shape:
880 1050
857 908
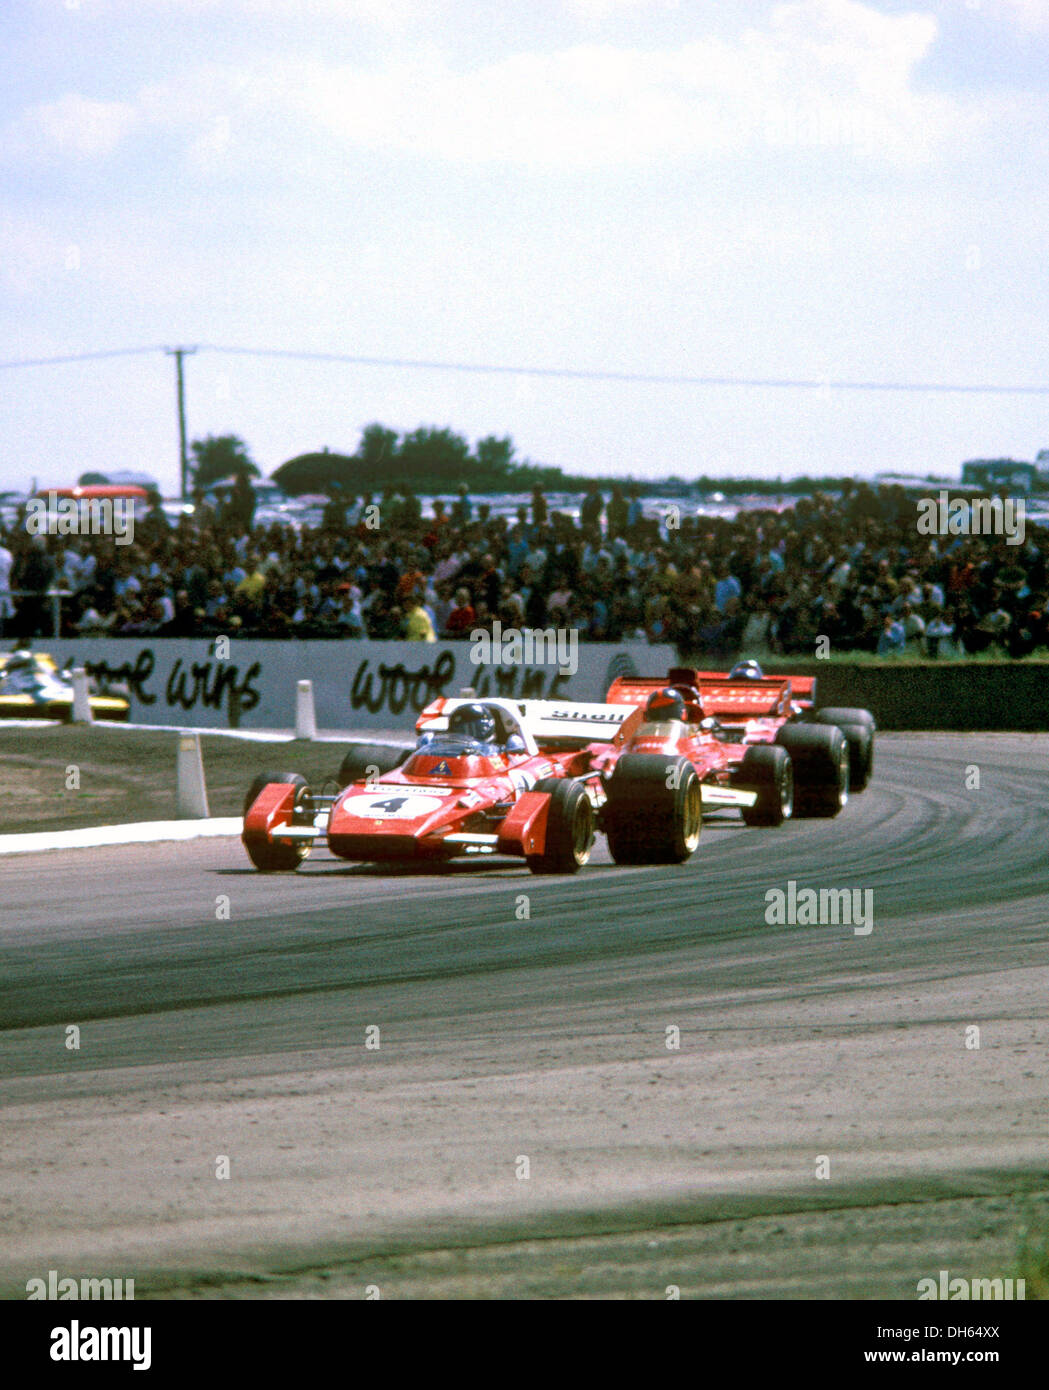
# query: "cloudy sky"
821 191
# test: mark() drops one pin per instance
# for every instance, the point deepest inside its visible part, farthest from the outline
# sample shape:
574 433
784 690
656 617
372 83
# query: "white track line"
146 832
394 737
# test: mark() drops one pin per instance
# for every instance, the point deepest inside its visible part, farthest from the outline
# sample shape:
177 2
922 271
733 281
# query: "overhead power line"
651 378
78 357
575 373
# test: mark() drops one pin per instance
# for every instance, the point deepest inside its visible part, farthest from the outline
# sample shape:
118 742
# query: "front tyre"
654 811
268 856
569 828
367 761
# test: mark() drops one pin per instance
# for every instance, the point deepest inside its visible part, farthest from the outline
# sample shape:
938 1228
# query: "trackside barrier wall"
959 696
364 684
356 684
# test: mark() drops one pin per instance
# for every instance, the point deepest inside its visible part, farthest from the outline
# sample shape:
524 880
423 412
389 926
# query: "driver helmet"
693 700
746 671
664 705
473 721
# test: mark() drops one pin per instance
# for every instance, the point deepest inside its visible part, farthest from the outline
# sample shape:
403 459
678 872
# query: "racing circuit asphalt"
504 1037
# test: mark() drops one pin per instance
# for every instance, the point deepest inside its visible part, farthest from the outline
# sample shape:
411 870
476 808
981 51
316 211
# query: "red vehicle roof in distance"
95 490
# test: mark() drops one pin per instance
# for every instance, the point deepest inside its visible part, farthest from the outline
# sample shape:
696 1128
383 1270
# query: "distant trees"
322 472
438 459
495 456
378 447
427 459
219 456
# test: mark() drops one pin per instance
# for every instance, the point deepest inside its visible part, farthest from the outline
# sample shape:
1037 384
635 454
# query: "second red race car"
742 731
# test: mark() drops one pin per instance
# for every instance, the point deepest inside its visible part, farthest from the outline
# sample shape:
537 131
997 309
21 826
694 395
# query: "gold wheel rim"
582 838
693 814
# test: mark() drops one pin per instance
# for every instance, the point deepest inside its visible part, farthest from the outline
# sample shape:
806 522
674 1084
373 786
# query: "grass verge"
68 777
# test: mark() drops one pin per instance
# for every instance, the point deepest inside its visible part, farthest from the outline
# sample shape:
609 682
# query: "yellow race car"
32 687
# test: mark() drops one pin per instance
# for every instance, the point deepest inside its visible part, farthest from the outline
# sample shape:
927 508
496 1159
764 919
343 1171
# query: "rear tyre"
840 715
860 739
268 857
858 727
364 761
820 754
768 770
569 828
654 812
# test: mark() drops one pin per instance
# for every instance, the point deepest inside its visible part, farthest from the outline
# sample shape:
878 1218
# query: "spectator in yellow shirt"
417 624
252 585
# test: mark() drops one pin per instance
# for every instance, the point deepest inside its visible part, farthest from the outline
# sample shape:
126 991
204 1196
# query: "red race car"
493 776
742 731
743 691
534 779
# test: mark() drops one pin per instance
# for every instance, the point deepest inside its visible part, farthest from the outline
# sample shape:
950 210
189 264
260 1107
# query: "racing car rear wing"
802 688
723 697
753 699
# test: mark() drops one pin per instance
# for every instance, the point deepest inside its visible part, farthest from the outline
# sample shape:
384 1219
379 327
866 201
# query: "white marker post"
192 794
81 697
305 715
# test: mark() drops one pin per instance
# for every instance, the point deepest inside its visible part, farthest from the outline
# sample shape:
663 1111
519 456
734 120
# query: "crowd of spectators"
852 569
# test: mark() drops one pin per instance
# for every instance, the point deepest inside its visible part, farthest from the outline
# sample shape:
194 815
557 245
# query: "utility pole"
178 354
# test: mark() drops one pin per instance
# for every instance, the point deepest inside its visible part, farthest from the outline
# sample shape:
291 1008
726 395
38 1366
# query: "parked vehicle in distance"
87 509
